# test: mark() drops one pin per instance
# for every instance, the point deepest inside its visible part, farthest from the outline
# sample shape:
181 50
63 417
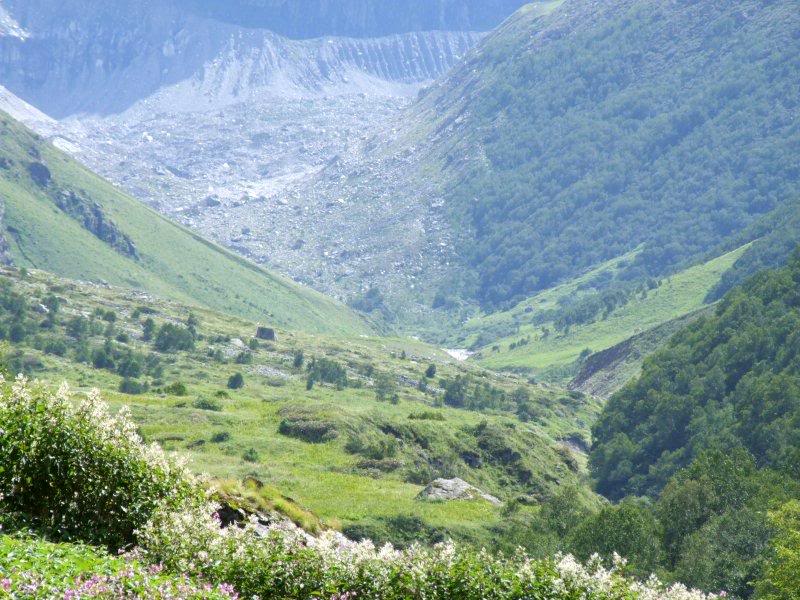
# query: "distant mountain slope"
729 380
535 335
572 138
59 217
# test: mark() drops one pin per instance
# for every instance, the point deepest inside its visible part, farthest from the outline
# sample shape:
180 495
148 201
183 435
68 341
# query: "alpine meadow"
400 300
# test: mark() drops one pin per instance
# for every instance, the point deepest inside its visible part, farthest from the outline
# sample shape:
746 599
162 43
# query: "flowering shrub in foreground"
281 564
73 469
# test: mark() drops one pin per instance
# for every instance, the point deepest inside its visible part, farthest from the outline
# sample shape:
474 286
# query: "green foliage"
385 387
251 455
220 437
236 381
33 568
781 579
325 370
132 387
148 329
307 425
78 472
612 134
211 404
279 566
173 338
726 381
177 388
629 529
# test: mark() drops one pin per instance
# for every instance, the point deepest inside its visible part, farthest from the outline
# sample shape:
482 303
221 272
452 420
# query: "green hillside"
530 338
575 136
61 218
727 381
709 433
351 429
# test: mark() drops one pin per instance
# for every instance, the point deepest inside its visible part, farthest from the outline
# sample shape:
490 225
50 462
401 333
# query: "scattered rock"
266 333
455 489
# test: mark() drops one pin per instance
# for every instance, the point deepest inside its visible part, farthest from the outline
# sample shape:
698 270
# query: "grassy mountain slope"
574 137
530 340
336 449
605 372
98 233
727 381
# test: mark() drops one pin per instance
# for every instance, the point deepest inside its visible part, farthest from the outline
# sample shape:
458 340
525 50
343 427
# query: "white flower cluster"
278 562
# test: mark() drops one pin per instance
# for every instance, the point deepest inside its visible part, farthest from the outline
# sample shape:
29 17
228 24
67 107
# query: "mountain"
102 59
357 18
570 138
728 381
59 217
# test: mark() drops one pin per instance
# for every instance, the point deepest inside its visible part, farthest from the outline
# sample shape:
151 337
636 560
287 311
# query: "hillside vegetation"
571 138
61 218
727 381
709 433
551 333
187 550
350 428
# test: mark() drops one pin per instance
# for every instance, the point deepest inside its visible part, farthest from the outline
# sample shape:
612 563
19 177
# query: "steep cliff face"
102 59
357 18
254 65
300 19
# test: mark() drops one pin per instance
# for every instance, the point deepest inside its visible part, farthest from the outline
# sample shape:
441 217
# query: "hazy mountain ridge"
107 61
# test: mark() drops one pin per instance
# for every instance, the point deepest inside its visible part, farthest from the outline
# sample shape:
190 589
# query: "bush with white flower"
72 469
281 564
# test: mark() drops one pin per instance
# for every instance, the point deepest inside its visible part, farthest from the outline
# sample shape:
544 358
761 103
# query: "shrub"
56 347
427 415
244 358
208 404
326 370
177 388
385 387
172 338
309 429
236 381
132 387
220 437
251 455
372 445
76 471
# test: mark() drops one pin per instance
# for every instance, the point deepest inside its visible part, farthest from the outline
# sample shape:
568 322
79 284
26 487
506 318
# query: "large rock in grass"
454 489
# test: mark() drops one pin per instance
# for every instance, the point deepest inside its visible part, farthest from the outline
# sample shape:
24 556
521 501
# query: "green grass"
32 567
340 487
174 262
675 297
